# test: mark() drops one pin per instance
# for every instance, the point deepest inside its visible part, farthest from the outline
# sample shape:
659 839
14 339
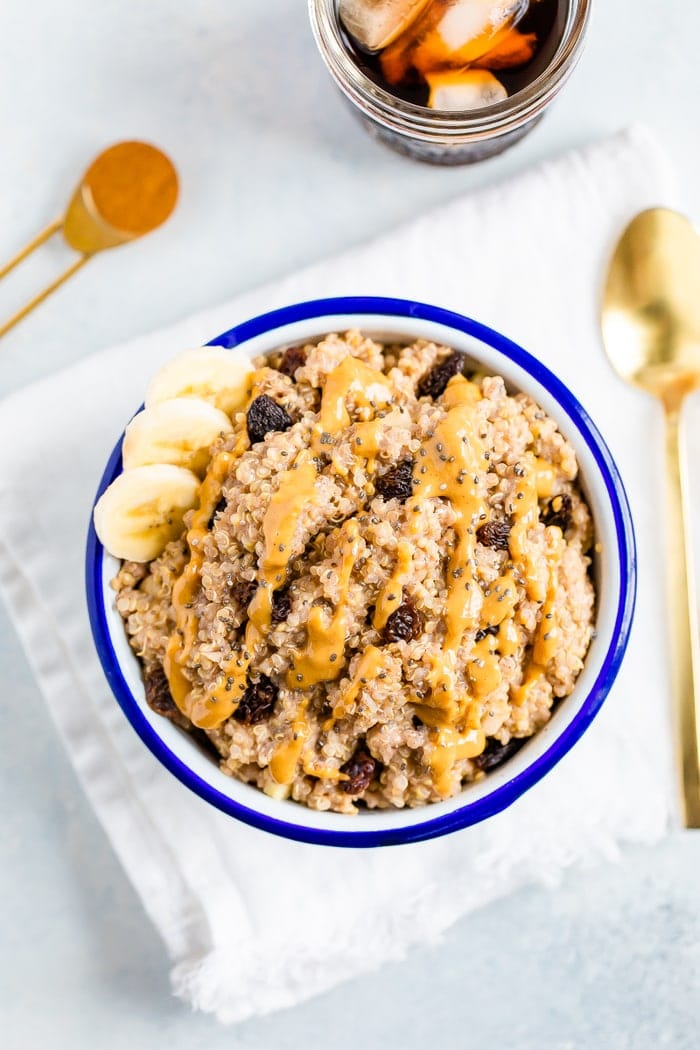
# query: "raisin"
434 382
257 703
292 358
281 605
361 769
404 625
265 415
242 592
158 695
221 505
480 635
496 753
494 534
558 511
397 483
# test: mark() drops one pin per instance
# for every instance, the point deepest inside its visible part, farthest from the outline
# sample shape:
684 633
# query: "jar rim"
435 125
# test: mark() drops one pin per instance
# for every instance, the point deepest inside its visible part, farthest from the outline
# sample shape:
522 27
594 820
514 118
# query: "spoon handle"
44 294
47 232
685 644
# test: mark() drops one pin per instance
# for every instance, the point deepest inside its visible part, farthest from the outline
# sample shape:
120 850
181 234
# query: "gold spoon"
651 331
128 191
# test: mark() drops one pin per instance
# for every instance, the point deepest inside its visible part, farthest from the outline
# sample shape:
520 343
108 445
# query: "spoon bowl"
129 190
651 306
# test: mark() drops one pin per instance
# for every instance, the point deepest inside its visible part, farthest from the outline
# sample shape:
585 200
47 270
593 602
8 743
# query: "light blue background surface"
276 173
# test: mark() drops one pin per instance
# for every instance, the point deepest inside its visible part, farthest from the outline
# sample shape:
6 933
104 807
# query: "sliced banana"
142 510
214 373
178 431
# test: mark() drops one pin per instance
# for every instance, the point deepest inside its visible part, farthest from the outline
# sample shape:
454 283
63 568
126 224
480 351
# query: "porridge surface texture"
385 587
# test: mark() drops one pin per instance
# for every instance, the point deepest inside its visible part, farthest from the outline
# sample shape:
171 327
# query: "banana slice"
211 372
178 431
142 510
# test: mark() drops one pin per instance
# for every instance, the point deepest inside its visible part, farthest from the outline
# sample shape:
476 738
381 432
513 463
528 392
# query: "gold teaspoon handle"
47 232
44 294
685 644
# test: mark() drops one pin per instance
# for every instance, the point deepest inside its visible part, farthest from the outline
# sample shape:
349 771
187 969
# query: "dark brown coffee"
434 61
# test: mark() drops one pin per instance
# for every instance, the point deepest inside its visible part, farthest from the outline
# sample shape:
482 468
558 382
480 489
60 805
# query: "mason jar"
439 136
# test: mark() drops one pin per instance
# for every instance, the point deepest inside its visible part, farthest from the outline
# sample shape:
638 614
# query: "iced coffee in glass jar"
450 81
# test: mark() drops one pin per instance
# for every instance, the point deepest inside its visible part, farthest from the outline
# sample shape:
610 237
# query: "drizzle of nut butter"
452 468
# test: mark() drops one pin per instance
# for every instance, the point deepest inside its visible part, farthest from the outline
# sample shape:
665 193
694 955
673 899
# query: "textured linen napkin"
254 923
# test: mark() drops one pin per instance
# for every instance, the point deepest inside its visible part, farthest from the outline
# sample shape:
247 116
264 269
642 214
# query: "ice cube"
466 21
374 24
464 89
451 34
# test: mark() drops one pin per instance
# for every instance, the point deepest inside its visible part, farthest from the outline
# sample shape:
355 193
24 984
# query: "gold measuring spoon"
651 330
127 191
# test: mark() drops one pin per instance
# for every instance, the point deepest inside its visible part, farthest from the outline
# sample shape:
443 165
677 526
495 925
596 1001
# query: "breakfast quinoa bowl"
384 587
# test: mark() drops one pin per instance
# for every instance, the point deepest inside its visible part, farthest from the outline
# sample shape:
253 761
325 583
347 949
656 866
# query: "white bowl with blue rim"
614 575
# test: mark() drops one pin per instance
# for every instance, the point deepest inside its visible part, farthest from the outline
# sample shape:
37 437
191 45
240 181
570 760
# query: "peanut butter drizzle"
544 478
285 759
178 682
547 637
525 514
444 705
508 638
295 490
371 664
323 658
547 634
186 588
533 673
368 434
391 595
201 713
483 671
500 601
450 466
451 746
210 710
352 375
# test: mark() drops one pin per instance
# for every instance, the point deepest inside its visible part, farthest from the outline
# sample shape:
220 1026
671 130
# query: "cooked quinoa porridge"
384 585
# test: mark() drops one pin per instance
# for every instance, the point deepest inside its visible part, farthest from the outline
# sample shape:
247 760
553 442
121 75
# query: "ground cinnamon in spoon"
133 187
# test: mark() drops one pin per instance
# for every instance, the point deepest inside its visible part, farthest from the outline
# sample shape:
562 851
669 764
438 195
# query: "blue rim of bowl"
506 794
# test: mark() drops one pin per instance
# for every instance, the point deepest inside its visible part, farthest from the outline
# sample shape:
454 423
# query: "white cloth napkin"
254 923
